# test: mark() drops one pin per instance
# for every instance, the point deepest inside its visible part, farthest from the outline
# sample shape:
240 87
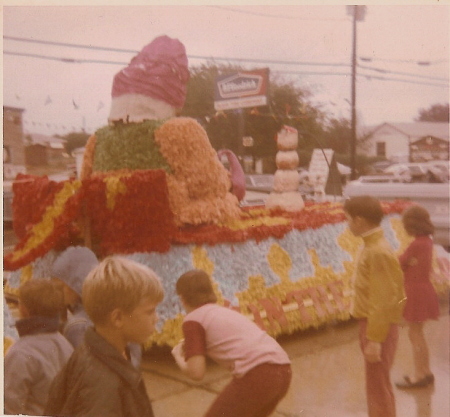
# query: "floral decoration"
88 158
198 182
125 218
128 146
295 282
51 226
129 211
259 224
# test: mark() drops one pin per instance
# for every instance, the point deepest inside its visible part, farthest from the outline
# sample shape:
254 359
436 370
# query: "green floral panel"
128 145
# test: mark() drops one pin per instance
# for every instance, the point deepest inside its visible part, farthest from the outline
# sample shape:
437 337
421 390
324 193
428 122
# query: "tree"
338 135
75 140
287 104
436 113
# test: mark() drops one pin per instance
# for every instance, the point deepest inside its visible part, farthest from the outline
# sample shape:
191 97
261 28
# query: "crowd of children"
81 329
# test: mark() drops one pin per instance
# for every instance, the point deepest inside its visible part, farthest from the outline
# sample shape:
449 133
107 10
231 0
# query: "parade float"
153 189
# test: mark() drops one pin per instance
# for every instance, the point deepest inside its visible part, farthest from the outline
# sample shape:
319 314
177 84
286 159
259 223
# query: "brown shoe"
408 384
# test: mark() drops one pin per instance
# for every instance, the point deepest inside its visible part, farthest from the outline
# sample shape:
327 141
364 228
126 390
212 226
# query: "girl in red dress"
422 301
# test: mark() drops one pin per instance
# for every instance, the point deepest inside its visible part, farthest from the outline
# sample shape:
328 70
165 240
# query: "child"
33 361
378 302
120 296
71 269
260 367
422 301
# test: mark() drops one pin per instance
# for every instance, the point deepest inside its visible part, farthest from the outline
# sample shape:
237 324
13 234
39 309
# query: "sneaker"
407 383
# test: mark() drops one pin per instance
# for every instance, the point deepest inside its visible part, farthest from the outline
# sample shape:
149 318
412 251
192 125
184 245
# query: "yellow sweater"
378 284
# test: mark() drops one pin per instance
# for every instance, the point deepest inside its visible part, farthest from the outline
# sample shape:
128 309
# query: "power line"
269 61
402 73
366 76
407 61
69 45
231 9
228 59
402 80
305 73
65 60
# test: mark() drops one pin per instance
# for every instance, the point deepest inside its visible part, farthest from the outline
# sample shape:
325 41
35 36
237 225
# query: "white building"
403 142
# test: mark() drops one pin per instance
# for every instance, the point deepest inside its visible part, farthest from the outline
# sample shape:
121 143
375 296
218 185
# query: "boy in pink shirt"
260 367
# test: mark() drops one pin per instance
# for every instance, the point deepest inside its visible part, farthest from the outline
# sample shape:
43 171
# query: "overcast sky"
59 97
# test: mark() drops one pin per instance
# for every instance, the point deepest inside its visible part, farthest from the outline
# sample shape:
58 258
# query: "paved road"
328 377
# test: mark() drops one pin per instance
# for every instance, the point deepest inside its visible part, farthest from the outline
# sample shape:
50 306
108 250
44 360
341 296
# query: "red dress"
422 301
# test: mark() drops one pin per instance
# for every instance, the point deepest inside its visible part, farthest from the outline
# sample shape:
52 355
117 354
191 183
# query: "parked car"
400 171
439 170
257 189
379 178
259 182
419 171
380 166
254 198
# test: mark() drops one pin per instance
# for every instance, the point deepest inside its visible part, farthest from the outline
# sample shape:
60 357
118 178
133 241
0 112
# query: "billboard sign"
241 89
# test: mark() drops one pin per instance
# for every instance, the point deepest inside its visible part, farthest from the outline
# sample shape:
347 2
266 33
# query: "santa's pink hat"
159 71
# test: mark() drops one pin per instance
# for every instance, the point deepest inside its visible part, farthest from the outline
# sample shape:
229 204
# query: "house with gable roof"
407 142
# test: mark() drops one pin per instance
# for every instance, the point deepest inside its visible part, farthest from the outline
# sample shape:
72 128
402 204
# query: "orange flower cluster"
198 184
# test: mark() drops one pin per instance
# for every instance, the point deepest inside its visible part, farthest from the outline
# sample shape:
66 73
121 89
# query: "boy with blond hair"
378 302
120 297
33 361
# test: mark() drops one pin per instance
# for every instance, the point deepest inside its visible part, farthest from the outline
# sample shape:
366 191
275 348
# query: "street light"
357 13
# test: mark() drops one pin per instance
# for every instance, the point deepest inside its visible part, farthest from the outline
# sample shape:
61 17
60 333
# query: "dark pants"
256 394
380 395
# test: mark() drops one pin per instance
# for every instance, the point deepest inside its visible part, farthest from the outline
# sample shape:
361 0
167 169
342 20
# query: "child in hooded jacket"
71 268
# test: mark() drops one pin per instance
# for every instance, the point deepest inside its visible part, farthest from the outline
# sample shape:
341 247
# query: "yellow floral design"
114 186
280 262
26 274
239 224
43 229
200 260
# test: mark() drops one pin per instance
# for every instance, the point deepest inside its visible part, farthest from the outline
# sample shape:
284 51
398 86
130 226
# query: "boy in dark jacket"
120 296
33 361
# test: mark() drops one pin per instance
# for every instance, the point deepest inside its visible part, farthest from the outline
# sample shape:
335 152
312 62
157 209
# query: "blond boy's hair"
118 282
41 297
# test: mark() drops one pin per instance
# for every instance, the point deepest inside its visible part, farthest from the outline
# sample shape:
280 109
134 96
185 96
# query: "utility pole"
357 13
